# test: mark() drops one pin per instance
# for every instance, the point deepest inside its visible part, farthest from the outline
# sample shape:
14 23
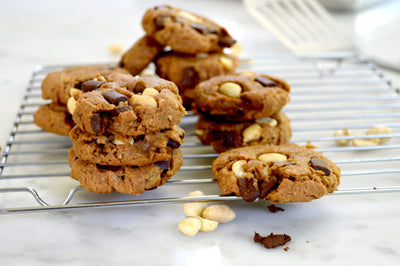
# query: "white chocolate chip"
150 91
208 225
190 226
189 16
71 105
226 62
236 49
365 142
379 130
219 213
230 89
142 100
342 133
194 209
252 133
272 157
237 168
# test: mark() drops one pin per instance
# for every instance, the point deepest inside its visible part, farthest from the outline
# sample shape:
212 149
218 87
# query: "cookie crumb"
286 249
274 209
272 240
115 48
310 145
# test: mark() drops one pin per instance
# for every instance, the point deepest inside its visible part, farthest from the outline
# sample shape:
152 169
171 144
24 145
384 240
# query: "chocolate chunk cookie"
127 105
132 180
54 118
285 173
126 150
140 55
184 31
242 96
57 85
186 71
224 135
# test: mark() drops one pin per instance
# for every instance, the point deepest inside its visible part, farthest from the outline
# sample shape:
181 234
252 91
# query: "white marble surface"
335 230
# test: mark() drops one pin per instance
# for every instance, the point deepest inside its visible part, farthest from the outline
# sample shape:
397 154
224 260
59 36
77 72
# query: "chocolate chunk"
173 144
120 64
202 29
319 164
190 78
226 41
107 167
273 241
120 109
163 165
115 98
95 122
266 186
274 209
247 189
91 85
228 139
266 82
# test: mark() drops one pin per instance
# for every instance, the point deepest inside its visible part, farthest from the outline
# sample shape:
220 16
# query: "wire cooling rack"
329 92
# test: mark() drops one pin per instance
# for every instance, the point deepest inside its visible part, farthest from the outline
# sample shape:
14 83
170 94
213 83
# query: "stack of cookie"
187 49
58 86
126 137
243 109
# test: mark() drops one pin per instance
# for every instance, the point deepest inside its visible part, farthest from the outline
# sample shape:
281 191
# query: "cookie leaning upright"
285 173
184 31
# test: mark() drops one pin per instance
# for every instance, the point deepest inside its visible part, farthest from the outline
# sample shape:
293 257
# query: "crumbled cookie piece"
272 240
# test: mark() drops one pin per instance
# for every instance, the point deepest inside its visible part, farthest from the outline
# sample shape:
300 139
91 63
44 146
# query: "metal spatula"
303 26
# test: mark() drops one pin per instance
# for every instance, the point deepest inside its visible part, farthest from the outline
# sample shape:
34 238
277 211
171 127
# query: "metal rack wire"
329 92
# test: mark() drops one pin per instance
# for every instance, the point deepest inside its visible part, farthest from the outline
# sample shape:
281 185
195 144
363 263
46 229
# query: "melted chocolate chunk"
163 165
319 164
226 41
96 123
266 186
160 20
266 82
107 167
91 85
247 189
173 144
229 139
120 109
203 29
115 98
190 78
274 209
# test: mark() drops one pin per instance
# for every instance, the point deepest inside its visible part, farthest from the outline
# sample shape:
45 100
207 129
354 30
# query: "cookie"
57 85
121 150
285 173
140 55
127 105
132 180
54 118
225 135
242 96
186 71
184 31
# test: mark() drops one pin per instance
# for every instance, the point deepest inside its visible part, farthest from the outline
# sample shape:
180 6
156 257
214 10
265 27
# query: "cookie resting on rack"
224 135
127 105
57 85
121 150
243 96
186 71
184 31
132 180
280 174
54 118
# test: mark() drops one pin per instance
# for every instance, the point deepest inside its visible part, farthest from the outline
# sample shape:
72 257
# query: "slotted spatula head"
303 26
